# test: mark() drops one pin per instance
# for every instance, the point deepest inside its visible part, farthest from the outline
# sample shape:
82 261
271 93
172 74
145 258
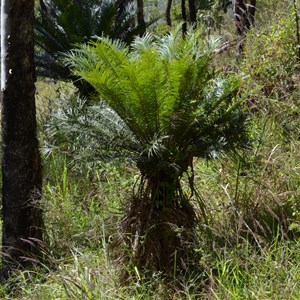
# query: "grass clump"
245 273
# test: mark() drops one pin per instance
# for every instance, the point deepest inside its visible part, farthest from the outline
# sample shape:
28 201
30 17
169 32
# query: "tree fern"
176 107
165 87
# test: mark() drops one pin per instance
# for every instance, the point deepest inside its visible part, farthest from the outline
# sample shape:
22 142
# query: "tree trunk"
21 166
251 11
297 27
184 18
193 12
168 13
140 16
241 19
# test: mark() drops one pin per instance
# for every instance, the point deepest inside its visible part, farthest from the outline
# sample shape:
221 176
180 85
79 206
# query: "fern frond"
140 44
165 87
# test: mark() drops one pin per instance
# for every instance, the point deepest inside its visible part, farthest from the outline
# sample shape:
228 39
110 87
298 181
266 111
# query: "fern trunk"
161 178
158 224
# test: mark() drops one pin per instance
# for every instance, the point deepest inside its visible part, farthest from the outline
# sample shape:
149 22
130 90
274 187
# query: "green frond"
86 127
62 24
140 44
165 87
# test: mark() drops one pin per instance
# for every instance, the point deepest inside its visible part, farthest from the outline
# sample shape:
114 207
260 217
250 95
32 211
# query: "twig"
297 27
225 47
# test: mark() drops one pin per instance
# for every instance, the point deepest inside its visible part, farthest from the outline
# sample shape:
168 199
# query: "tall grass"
249 246
244 273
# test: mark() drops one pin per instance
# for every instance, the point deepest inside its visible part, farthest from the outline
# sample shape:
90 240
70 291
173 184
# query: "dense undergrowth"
248 248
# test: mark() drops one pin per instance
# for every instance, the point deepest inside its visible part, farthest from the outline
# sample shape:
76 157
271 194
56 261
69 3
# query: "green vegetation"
164 106
100 157
59 25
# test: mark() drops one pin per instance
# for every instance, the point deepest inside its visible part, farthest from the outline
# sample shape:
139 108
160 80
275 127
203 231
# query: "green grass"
249 247
80 221
244 273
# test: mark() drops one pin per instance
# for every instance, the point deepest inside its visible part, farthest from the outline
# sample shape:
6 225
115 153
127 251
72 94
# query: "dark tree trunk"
21 166
43 7
244 15
193 12
140 16
251 11
184 18
168 13
241 19
244 18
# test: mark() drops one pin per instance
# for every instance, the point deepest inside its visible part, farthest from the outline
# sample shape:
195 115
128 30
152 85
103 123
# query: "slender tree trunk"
184 18
21 166
193 12
241 19
140 16
251 11
297 27
168 13
244 18
43 7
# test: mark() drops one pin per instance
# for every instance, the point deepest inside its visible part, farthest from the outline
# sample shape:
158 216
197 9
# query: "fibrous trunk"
158 224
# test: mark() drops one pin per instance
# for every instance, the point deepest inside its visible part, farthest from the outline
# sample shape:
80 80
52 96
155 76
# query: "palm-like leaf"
172 102
60 24
164 87
79 129
175 107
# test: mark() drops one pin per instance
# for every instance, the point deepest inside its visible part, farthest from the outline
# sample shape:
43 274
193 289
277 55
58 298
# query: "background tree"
164 106
168 13
193 12
60 24
184 17
140 16
21 166
243 15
